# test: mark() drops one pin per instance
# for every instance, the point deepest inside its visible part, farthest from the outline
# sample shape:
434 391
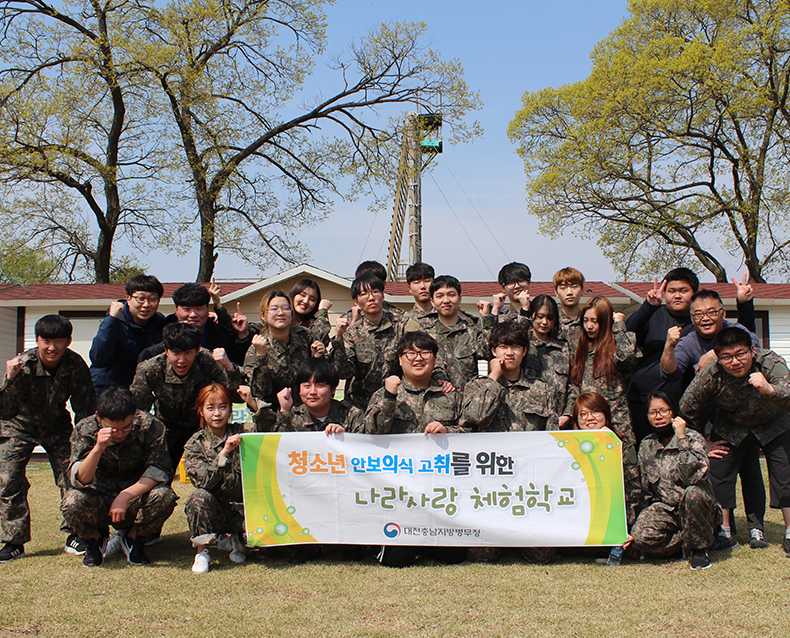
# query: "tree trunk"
207 257
101 261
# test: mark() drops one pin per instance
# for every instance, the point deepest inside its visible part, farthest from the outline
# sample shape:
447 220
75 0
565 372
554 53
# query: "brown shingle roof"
726 291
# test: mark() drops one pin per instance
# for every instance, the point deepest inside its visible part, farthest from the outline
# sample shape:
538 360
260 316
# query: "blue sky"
506 48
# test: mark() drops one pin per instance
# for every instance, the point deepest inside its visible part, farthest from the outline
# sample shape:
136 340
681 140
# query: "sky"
506 47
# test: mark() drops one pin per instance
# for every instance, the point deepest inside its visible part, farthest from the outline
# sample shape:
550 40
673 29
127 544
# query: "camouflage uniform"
460 348
424 319
216 505
367 355
142 454
320 327
678 508
742 411
506 406
570 330
173 397
555 366
508 313
412 409
299 419
33 412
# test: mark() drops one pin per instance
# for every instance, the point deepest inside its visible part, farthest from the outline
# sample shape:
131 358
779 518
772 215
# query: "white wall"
7 334
779 325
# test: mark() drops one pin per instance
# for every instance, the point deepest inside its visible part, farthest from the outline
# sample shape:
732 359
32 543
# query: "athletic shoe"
113 545
723 543
785 547
153 539
201 564
11 552
757 538
232 543
699 559
76 545
93 552
134 548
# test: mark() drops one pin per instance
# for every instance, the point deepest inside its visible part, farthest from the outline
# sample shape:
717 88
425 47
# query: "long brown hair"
301 286
603 364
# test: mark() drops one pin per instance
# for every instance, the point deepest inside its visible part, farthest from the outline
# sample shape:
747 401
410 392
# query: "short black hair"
53 327
706 293
366 282
418 271
144 283
546 300
683 274
180 337
191 294
729 337
509 333
514 272
115 404
417 339
445 281
371 268
319 370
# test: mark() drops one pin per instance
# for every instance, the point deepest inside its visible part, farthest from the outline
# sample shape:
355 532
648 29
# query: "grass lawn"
746 592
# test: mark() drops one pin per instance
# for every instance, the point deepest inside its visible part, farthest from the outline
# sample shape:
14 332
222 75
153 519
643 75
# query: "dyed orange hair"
212 389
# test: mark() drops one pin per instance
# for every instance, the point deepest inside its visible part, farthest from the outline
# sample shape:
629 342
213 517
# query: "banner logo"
391 530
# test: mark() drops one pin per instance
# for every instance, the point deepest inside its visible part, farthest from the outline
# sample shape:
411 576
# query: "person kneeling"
679 510
120 472
215 509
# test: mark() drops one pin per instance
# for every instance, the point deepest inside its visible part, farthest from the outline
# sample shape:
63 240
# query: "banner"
502 489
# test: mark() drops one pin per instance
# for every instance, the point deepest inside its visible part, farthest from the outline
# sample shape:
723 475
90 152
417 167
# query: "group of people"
693 399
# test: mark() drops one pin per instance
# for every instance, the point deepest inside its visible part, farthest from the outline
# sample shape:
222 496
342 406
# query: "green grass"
745 593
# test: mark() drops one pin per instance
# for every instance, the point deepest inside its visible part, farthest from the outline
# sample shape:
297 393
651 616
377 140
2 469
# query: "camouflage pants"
632 483
664 530
15 454
87 510
208 517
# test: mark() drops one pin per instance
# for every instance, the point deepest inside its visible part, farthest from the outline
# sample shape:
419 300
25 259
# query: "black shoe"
134 548
305 554
722 543
11 552
699 559
76 545
757 539
94 555
785 547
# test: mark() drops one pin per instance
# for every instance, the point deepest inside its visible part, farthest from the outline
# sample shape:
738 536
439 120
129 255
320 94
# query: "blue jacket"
117 345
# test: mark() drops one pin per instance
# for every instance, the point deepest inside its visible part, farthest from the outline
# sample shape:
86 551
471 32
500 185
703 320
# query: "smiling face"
181 362
316 396
591 419
278 313
142 306
305 301
51 351
216 413
417 366
447 302
736 360
708 317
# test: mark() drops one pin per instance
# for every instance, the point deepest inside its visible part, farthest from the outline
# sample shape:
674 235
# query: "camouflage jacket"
412 409
570 329
740 408
555 362
460 348
668 470
155 383
523 405
615 392
33 403
276 369
366 356
142 454
424 319
509 313
207 470
319 327
342 413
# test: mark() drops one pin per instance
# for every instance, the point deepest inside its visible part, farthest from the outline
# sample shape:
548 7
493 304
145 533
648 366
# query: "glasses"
370 293
711 314
275 309
142 300
741 356
123 430
520 285
412 355
594 413
652 414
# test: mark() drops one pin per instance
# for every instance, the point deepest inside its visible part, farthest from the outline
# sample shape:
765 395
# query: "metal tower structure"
421 134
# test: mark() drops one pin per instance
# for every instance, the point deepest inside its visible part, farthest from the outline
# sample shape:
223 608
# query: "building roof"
775 292
488 288
38 292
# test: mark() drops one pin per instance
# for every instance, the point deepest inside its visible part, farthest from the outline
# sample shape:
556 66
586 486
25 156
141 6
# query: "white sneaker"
225 543
113 545
200 566
237 554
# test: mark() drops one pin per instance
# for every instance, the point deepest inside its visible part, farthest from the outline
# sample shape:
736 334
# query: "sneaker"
113 545
200 566
699 559
11 552
93 552
722 543
785 547
76 545
134 548
757 539
233 544
153 539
